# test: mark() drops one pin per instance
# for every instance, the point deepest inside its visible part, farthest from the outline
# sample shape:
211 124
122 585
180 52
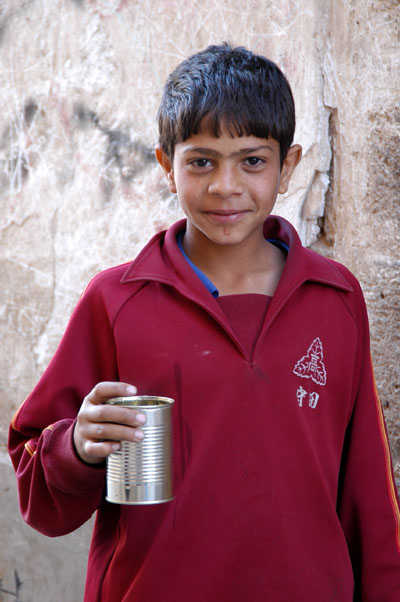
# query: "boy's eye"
253 161
200 162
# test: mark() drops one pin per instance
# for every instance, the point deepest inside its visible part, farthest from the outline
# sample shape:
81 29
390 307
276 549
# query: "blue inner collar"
206 281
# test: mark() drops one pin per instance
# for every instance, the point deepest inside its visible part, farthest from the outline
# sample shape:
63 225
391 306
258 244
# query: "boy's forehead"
224 130
207 139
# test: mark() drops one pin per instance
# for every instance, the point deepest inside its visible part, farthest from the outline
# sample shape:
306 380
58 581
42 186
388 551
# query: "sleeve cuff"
66 471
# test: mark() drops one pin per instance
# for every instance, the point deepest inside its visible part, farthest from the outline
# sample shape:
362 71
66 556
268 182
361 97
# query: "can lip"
148 401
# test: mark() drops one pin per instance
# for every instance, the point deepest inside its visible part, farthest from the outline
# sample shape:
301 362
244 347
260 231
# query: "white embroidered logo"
311 365
313 398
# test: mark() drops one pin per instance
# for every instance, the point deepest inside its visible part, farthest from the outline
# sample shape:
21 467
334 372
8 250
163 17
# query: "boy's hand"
100 427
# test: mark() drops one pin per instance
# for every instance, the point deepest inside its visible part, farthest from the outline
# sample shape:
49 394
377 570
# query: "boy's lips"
225 215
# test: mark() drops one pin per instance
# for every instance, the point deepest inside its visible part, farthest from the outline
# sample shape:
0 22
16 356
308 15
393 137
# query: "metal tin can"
141 473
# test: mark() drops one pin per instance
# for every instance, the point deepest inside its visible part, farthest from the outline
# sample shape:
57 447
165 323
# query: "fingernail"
116 446
139 435
140 418
131 390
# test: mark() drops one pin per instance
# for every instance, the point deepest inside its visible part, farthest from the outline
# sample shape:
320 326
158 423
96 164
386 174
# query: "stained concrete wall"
80 83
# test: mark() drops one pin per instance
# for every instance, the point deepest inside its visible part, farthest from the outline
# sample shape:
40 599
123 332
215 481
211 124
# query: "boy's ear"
291 160
166 164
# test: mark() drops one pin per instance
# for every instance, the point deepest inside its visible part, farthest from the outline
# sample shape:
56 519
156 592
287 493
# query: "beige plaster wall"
80 83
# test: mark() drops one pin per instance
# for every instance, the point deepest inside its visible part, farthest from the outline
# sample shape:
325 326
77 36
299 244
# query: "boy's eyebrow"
212 152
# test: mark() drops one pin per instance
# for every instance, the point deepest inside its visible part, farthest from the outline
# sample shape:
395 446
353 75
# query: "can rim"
147 401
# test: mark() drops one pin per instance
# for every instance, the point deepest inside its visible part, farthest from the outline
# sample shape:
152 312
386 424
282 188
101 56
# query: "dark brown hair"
230 87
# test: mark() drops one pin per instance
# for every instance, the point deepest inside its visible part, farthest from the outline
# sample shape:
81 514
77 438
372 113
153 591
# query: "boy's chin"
224 236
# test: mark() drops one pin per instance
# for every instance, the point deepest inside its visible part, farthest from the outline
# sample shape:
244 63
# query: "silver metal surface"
141 473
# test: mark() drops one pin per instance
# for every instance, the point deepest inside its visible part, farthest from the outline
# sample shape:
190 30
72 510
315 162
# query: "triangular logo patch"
311 365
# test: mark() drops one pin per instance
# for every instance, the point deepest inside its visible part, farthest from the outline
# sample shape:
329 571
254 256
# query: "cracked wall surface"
80 82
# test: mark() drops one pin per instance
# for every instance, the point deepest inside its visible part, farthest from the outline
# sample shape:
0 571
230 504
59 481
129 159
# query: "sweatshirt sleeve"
57 491
368 504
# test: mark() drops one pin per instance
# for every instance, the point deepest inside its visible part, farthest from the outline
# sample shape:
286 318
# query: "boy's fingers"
98 411
105 413
101 427
97 451
107 390
97 432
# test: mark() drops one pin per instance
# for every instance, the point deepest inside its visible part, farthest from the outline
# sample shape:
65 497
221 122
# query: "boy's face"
227 186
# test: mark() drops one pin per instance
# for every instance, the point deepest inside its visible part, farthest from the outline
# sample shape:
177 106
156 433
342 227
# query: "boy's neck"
255 267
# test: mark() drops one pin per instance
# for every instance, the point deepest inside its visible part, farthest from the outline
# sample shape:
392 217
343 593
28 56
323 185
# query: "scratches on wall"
21 142
28 132
12 595
8 10
123 153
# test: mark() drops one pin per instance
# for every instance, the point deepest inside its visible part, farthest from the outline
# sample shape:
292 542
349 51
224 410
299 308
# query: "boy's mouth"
226 215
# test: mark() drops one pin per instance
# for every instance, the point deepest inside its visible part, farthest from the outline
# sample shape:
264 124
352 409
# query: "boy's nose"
225 182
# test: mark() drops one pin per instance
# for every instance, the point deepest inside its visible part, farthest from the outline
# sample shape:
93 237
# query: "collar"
162 261
206 281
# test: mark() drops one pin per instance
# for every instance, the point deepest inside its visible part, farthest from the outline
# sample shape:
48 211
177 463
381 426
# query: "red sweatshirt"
283 477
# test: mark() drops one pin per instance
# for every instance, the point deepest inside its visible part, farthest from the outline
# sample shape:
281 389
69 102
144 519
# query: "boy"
284 485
